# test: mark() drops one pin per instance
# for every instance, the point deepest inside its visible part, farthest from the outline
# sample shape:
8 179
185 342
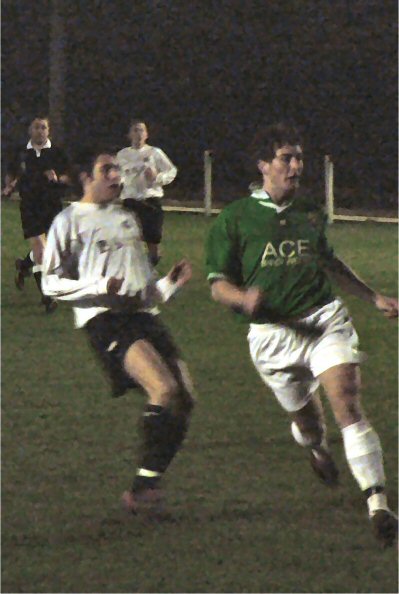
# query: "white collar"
38 151
261 194
142 148
264 199
47 144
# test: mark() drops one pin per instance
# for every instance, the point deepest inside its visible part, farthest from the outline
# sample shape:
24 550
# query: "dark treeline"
206 74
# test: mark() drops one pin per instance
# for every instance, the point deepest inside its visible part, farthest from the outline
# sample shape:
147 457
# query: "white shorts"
290 358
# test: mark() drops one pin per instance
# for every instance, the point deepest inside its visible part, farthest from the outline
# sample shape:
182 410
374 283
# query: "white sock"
377 501
37 268
31 257
364 455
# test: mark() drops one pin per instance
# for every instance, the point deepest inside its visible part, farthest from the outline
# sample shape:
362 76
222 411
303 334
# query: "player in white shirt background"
95 259
145 170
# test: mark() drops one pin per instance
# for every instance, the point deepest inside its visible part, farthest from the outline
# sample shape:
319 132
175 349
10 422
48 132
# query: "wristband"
166 288
102 286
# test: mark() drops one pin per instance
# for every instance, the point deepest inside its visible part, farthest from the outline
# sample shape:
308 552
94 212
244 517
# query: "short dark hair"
84 162
268 140
85 159
137 121
40 117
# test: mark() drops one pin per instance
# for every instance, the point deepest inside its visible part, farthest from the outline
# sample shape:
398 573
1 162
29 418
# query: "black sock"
38 279
28 260
155 260
373 490
27 263
163 434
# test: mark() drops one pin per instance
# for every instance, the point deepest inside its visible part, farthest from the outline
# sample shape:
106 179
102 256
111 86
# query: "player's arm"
60 174
64 170
11 182
164 288
156 291
350 282
224 268
227 293
12 175
58 280
62 179
165 170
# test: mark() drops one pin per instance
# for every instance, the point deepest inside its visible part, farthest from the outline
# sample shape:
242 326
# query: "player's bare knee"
349 390
345 404
348 412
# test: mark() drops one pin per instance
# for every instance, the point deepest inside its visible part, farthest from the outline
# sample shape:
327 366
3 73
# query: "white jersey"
86 245
133 163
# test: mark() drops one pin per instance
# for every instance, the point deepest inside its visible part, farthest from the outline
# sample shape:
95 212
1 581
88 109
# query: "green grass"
249 516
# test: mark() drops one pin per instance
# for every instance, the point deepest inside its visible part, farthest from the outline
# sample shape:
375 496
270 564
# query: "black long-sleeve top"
29 169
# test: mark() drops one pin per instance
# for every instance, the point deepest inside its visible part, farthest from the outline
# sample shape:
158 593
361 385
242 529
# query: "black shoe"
151 502
324 466
385 526
50 305
21 272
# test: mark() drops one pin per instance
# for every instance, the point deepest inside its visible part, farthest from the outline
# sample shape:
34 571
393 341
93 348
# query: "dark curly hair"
268 140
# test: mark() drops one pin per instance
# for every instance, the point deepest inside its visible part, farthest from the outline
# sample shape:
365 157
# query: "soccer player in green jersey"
268 258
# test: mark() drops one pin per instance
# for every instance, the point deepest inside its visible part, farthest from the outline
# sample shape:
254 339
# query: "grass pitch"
249 516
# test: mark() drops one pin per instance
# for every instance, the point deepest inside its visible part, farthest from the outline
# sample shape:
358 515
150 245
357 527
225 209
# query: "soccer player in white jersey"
145 170
268 258
96 260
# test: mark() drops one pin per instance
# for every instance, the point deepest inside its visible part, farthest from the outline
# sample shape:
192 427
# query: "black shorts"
150 215
37 215
111 334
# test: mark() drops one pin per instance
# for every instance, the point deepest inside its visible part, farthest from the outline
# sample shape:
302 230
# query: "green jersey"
281 250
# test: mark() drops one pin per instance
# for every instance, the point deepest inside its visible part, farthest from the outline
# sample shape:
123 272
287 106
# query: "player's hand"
10 186
114 285
51 175
8 190
181 273
388 306
150 174
251 301
64 179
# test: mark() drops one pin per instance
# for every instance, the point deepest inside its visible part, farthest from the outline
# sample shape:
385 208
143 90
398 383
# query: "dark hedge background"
206 74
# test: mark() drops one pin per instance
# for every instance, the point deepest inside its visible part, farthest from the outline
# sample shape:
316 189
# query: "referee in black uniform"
39 170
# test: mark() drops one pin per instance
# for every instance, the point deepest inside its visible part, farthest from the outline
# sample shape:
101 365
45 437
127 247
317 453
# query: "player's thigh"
32 219
151 217
52 210
145 365
338 344
279 356
342 384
